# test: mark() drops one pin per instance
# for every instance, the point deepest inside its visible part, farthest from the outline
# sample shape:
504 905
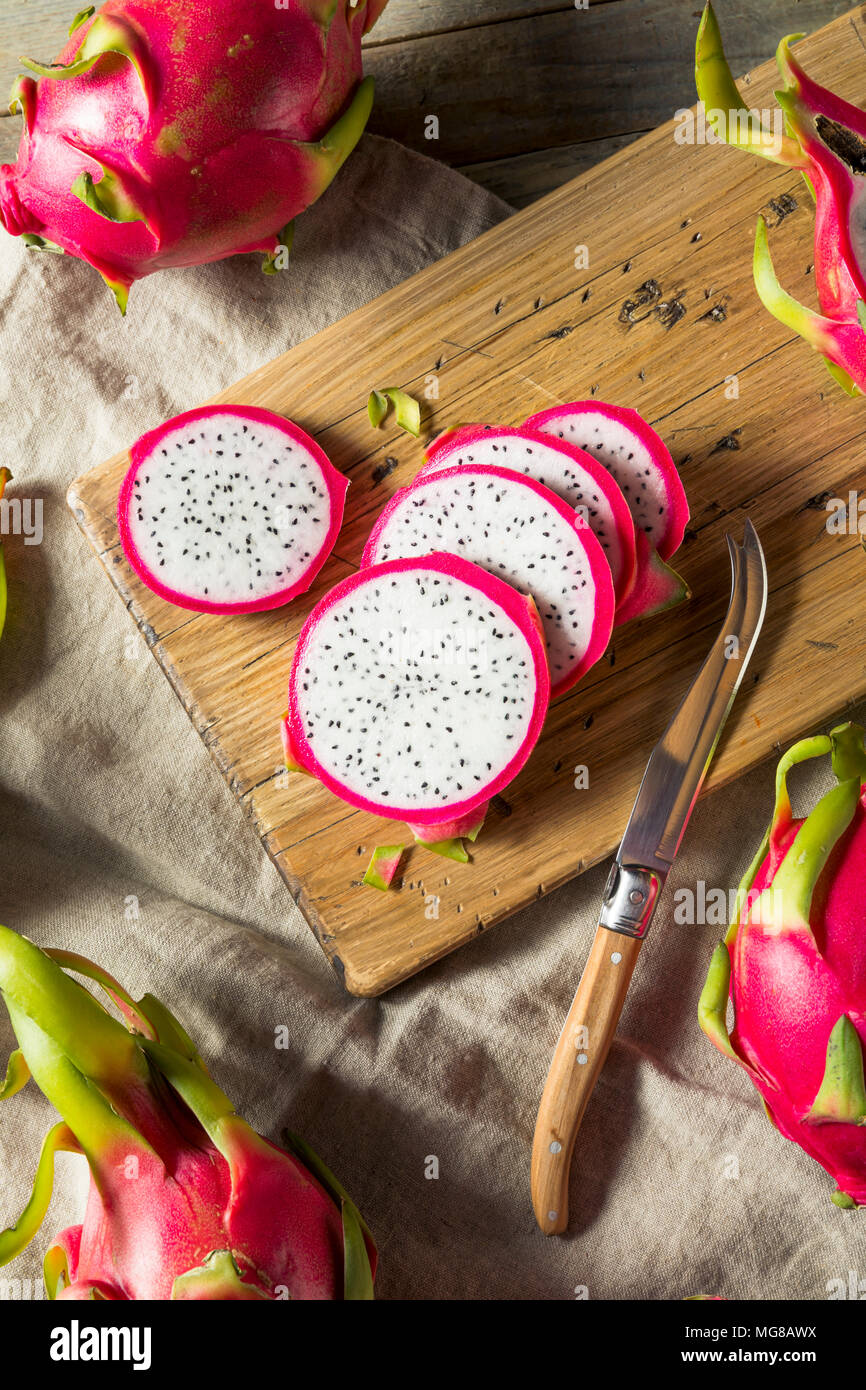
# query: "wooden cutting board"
665 319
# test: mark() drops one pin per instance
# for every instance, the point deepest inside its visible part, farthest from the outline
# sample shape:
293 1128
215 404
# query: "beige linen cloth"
120 840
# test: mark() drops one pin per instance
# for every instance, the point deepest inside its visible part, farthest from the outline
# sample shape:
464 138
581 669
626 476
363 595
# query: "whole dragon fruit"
172 134
794 964
186 1200
825 138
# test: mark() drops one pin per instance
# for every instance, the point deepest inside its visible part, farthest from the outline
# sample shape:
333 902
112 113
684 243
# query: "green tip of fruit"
81 18
17 1075
841 1199
341 139
33 242
55 1271
713 1003
218 1277
107 34
357 1274
110 198
17 1237
848 752
277 260
22 100
120 291
842 378
841 1098
817 331
787 905
787 65
448 849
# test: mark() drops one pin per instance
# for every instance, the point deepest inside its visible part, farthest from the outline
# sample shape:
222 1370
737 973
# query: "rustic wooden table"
527 92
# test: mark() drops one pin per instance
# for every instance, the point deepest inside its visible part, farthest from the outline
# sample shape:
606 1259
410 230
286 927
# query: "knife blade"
665 800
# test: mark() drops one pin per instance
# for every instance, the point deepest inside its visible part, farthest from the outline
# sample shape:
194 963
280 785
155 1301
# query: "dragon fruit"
186 1200
521 531
824 138
170 134
569 472
229 509
418 690
794 965
642 468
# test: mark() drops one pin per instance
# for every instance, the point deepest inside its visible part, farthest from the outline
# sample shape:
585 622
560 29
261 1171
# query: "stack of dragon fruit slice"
488 586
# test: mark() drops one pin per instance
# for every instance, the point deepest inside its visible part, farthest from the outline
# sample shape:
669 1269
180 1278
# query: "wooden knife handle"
577 1062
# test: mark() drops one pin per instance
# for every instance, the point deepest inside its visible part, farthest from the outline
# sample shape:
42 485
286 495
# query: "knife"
671 783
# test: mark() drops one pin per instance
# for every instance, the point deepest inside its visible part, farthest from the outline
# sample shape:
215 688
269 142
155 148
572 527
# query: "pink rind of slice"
572 473
635 456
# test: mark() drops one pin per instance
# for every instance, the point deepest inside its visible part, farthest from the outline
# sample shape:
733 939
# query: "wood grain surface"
528 93
665 319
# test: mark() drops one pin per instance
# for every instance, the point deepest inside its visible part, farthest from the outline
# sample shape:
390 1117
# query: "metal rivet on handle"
615 957
556 1147
552 1215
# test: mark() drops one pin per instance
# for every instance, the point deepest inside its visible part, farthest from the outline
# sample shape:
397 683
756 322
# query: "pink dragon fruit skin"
794 965
172 135
825 138
186 1201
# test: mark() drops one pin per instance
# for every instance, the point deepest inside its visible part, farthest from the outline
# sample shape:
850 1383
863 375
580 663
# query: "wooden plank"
665 319
523 178
411 19
533 83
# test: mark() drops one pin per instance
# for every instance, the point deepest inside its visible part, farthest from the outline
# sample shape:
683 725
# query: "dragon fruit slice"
569 472
418 690
171 135
794 964
229 509
521 531
642 468
186 1200
825 138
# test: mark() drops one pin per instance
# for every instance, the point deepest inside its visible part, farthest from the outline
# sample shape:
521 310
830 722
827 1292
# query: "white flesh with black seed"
506 526
229 511
416 690
555 470
629 463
